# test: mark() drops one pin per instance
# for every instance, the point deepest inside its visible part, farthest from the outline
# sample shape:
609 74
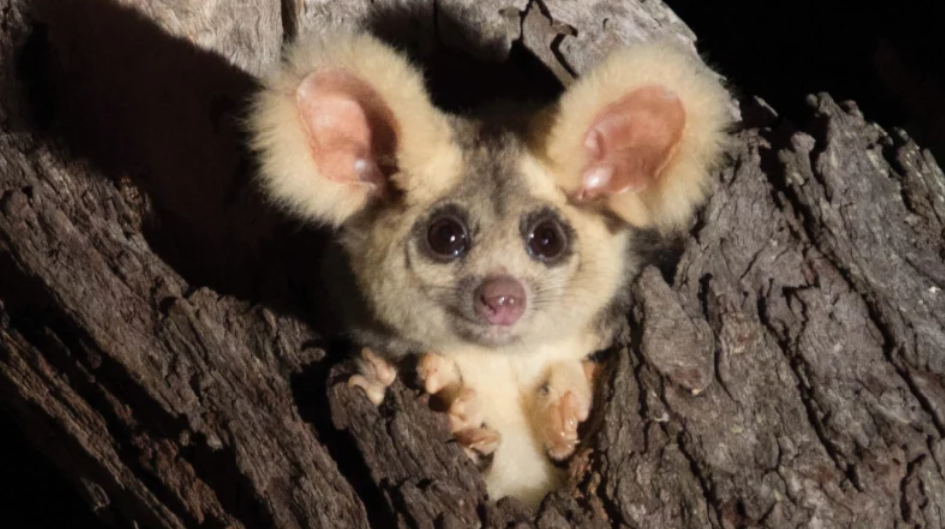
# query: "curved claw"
478 442
374 377
466 410
375 392
437 373
441 377
563 403
561 432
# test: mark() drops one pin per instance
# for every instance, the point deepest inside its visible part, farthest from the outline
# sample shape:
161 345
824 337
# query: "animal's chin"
489 335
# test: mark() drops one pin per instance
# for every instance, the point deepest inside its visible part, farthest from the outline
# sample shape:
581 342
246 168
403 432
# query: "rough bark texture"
161 344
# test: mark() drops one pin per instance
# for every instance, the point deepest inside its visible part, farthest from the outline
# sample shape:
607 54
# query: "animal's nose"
500 300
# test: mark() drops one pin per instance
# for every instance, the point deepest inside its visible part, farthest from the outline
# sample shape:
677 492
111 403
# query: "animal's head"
463 231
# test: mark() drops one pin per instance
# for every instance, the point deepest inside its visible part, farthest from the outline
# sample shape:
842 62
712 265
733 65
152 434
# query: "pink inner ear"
350 129
631 140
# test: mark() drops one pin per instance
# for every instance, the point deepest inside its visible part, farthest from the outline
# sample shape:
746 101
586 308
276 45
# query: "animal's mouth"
503 316
481 331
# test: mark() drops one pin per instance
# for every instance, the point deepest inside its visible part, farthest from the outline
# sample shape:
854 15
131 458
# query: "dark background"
886 56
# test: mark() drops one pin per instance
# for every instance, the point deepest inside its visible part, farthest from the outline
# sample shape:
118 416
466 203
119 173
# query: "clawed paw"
560 424
466 410
466 422
374 375
441 378
563 403
478 443
437 373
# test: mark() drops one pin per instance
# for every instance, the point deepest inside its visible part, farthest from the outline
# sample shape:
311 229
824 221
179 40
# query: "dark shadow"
27 476
148 108
886 56
453 59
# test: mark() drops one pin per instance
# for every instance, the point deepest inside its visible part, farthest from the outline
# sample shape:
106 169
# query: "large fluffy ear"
639 134
342 121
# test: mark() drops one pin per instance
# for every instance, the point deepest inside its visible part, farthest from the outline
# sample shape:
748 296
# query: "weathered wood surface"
161 344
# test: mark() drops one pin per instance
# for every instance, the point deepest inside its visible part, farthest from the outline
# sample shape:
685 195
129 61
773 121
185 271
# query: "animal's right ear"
343 121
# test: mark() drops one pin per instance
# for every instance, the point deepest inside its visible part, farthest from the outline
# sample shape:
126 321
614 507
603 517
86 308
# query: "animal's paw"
465 410
467 419
479 443
559 424
564 402
441 378
374 375
437 373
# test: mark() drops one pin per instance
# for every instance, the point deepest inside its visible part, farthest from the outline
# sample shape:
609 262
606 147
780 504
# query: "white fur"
507 385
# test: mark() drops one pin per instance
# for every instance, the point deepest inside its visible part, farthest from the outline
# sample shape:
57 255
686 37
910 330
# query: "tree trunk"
162 341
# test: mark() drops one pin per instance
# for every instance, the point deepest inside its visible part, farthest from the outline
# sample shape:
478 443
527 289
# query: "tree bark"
161 341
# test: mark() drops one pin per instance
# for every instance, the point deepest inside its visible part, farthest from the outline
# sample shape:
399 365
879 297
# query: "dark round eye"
447 237
547 240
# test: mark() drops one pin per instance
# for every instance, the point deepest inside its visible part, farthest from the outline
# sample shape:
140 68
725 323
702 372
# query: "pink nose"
500 300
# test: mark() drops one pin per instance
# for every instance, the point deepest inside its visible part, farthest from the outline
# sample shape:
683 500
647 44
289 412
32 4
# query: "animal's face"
458 234
498 258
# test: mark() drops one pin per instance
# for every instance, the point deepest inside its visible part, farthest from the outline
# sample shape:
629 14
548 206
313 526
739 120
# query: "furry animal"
498 249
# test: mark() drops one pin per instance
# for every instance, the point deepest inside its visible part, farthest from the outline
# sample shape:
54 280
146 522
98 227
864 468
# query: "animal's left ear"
639 134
